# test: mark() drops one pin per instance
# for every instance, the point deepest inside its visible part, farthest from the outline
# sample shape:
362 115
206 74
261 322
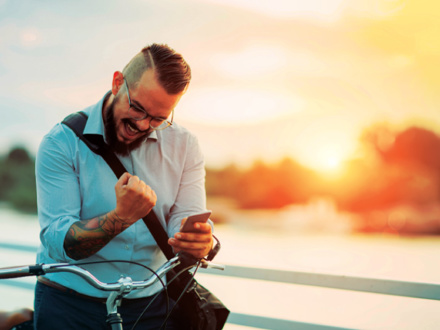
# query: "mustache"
133 125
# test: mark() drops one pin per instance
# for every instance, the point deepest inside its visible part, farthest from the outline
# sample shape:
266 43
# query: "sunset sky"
270 78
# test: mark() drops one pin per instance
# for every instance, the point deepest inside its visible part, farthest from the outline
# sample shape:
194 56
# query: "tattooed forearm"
86 237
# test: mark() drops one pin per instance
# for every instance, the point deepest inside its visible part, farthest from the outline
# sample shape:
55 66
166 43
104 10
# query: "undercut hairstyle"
171 70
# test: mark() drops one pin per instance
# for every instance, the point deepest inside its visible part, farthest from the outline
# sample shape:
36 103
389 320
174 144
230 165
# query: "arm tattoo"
86 237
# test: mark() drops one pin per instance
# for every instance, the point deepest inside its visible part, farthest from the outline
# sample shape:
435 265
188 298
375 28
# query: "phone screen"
192 219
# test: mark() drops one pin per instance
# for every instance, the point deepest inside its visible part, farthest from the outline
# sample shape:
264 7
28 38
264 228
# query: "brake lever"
208 264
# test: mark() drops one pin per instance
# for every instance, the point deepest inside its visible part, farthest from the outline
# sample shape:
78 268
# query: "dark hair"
172 71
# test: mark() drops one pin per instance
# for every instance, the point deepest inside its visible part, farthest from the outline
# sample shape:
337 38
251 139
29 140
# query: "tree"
17 180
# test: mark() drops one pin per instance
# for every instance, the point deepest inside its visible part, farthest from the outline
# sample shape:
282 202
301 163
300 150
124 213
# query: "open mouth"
131 129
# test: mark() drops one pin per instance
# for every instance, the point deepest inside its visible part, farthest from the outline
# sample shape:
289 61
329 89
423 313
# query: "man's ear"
118 81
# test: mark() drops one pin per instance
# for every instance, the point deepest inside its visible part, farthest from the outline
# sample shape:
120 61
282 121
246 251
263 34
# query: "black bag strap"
77 122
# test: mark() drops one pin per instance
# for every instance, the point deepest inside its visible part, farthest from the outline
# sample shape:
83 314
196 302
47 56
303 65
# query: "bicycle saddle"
12 319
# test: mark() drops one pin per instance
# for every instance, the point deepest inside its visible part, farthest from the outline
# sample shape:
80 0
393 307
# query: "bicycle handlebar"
41 269
119 289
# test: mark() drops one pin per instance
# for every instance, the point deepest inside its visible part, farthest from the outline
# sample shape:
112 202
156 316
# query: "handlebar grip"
21 271
13 272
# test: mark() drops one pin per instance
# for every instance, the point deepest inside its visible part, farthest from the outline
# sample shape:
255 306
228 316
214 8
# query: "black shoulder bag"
203 310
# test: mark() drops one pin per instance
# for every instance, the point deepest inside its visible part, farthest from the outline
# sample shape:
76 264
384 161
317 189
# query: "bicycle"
117 289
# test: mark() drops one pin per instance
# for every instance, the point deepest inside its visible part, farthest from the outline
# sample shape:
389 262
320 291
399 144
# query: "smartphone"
192 219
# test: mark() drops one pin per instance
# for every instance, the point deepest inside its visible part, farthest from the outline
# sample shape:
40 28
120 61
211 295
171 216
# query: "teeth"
132 129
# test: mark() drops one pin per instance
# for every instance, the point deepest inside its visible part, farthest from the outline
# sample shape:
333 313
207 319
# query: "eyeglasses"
137 113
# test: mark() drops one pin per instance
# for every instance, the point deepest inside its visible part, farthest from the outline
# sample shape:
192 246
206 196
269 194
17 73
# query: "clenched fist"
134 198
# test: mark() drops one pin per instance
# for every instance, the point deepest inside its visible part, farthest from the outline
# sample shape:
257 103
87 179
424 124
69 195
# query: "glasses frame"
147 115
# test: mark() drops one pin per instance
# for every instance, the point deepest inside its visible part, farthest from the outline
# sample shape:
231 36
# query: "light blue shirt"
75 184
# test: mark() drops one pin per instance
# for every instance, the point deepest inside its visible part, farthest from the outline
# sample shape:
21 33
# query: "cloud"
250 63
254 60
311 9
237 107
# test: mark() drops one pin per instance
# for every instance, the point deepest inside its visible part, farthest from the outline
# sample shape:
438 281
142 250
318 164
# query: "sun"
325 152
332 162
326 161
323 143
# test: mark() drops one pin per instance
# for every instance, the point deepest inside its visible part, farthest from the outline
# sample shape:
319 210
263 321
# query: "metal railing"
352 283
341 282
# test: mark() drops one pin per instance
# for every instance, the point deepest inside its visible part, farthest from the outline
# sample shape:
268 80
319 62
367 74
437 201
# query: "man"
87 214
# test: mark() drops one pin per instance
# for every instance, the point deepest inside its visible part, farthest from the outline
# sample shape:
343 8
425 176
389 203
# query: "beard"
119 147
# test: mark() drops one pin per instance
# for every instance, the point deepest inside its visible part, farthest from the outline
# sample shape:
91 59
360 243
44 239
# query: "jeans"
55 310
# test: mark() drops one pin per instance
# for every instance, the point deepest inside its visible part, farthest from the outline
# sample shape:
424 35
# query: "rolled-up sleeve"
58 195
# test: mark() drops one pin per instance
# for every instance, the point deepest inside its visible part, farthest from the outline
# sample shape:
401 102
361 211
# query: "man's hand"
134 199
198 243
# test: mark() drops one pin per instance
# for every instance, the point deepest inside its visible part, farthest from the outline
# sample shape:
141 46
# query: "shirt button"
127 247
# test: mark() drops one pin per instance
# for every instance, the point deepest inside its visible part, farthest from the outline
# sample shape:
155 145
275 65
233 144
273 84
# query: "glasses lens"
158 126
136 114
162 124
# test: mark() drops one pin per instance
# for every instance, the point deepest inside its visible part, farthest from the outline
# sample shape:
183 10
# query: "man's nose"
143 124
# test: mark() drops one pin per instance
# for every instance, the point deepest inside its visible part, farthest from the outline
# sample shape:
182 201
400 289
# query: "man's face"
124 133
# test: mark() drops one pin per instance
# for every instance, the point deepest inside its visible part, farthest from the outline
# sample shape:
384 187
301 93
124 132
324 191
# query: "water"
277 240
